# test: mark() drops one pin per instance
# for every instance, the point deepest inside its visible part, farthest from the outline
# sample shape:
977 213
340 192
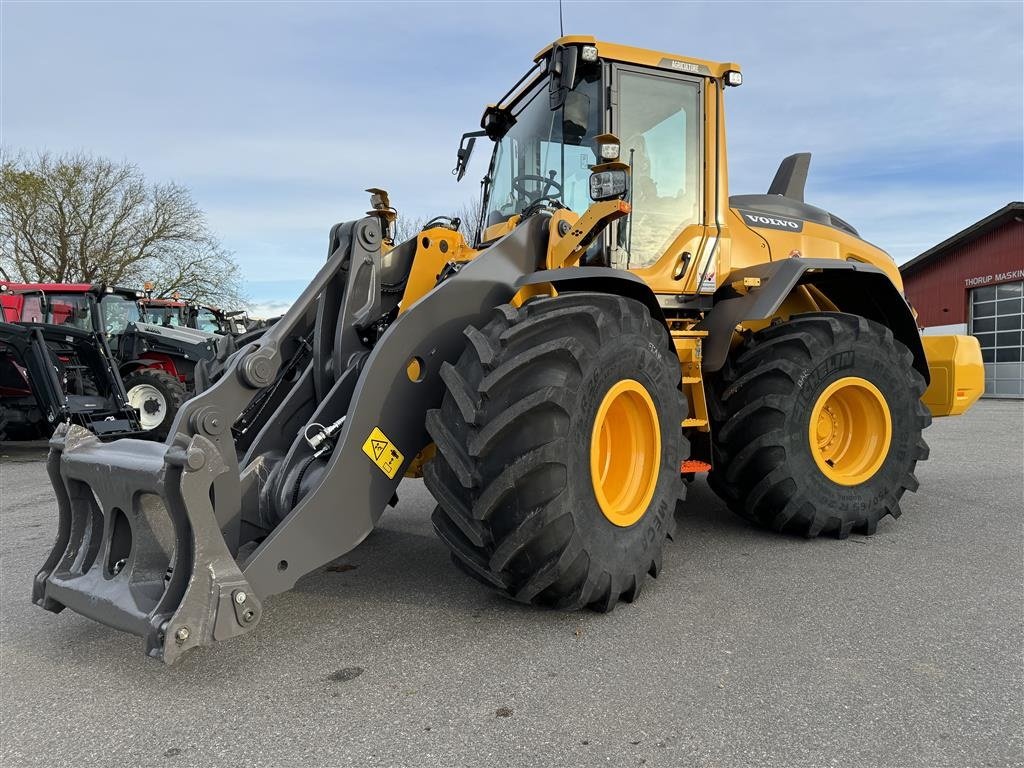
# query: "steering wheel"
519 185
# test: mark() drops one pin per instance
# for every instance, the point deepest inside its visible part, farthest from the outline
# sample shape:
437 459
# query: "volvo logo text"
772 222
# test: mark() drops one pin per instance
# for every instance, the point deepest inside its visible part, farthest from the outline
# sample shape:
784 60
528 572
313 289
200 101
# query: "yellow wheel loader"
617 325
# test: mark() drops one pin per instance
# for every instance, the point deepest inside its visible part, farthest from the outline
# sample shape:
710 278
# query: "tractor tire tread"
750 397
502 437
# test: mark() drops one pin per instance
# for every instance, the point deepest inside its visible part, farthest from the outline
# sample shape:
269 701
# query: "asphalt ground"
899 649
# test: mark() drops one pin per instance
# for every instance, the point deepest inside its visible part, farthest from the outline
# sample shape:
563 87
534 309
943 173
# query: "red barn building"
974 283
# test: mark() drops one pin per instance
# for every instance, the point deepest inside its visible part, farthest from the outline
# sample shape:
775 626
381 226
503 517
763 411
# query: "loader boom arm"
157 539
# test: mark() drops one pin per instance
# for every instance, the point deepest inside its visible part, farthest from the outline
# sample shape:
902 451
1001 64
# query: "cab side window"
32 310
659 126
206 321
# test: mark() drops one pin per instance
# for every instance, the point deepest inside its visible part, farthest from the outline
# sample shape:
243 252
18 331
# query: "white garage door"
997 318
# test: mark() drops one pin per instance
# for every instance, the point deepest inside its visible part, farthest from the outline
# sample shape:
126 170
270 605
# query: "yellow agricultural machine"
618 324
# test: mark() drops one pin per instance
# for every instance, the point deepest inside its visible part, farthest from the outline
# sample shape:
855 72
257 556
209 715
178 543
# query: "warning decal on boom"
383 453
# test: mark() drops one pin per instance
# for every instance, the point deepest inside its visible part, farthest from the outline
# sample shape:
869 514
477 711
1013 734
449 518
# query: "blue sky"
278 116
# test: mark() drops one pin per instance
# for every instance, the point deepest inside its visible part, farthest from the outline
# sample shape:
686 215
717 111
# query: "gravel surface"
899 649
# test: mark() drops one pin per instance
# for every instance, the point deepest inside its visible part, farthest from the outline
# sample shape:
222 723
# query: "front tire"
157 396
817 426
558 450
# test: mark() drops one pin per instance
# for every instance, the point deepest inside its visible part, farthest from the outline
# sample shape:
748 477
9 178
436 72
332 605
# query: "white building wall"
945 330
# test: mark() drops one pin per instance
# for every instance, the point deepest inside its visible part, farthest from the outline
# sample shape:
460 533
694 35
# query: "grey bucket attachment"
132 554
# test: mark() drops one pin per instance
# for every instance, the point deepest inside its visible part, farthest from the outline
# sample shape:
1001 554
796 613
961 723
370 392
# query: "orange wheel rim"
625 452
850 431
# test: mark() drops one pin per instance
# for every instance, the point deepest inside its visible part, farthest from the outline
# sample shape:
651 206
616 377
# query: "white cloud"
267 310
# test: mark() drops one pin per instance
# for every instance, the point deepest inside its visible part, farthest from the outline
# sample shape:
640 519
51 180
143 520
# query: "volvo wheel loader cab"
618 324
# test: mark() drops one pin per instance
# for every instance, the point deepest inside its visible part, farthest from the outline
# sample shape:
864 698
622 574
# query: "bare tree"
405 228
79 218
207 274
468 215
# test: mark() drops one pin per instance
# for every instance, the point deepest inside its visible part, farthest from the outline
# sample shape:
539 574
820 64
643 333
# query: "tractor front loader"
155 365
618 325
52 373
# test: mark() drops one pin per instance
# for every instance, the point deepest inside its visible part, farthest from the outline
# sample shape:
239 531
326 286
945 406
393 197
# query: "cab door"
658 116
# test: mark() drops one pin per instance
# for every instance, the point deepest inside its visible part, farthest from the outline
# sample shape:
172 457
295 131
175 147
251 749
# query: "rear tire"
768 395
157 395
512 475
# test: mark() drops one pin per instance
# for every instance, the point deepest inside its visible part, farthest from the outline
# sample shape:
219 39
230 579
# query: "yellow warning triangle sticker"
382 452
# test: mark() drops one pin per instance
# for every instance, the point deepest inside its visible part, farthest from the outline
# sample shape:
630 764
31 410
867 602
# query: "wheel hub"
828 427
150 403
850 430
625 452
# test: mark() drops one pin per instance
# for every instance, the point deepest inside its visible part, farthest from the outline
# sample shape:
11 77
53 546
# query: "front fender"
598 280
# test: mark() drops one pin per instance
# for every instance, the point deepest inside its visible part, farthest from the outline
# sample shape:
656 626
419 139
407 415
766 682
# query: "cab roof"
644 57
51 287
164 302
83 288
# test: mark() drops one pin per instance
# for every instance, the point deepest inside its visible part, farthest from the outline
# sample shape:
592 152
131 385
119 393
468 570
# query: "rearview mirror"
466 145
45 305
462 161
563 74
575 117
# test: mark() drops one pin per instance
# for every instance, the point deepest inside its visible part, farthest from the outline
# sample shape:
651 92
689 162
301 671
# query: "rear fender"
158 361
854 287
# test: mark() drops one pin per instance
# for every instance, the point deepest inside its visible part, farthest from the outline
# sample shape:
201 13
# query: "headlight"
608 148
607 185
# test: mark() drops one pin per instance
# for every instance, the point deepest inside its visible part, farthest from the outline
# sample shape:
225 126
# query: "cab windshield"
118 312
547 153
207 321
74 309
165 316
